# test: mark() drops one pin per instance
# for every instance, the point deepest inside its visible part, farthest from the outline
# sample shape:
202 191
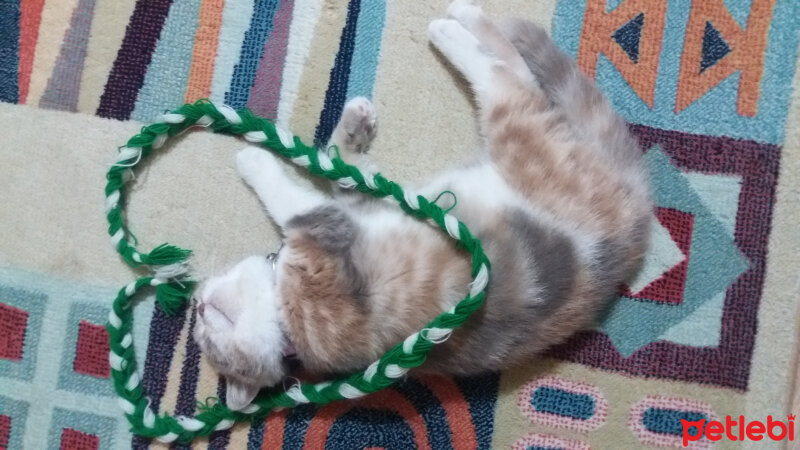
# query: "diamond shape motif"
662 255
77 440
13 322
715 262
668 287
91 354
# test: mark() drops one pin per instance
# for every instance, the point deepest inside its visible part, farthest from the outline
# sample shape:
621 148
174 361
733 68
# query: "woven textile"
706 330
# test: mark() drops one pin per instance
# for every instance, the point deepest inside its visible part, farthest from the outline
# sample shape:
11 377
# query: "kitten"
558 196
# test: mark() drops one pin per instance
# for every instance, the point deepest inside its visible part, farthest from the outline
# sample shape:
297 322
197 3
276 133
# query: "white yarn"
302 161
117 237
229 114
296 394
369 180
133 382
480 281
349 391
325 162
114 319
408 344
112 200
127 340
190 423
127 153
255 136
126 406
251 409
156 281
148 417
371 371
130 289
287 139
167 438
204 121
224 424
451 224
159 141
171 270
395 371
347 182
437 335
173 118
137 257
411 199
116 361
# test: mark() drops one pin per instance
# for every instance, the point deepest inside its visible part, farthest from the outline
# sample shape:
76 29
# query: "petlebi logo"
738 429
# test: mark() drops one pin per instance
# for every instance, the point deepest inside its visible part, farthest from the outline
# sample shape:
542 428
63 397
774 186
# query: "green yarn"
172 296
452 194
174 288
165 254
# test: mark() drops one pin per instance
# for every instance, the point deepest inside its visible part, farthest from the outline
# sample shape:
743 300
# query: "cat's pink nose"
201 308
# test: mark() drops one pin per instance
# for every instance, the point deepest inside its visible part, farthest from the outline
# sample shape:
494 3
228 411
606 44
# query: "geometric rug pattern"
54 368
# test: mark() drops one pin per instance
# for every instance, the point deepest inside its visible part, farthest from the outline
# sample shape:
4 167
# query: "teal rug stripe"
168 73
369 37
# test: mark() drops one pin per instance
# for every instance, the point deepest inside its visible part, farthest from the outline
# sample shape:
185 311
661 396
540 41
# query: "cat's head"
239 328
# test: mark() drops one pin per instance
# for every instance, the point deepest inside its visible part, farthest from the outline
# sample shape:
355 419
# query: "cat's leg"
282 196
568 90
535 59
465 53
355 131
470 15
492 80
551 67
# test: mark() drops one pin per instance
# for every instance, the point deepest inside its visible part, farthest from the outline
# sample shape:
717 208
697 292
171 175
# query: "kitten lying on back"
558 196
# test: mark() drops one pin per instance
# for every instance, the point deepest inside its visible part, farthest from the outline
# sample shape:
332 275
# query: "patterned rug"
706 331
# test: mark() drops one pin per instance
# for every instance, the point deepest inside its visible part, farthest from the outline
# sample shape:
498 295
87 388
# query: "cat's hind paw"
358 125
468 12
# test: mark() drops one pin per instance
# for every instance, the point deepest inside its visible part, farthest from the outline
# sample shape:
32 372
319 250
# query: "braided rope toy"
174 287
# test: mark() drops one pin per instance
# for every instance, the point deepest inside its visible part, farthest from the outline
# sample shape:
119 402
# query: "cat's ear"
238 395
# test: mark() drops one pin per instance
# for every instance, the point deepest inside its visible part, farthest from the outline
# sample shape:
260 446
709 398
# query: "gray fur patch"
334 232
552 68
572 93
329 226
552 255
533 270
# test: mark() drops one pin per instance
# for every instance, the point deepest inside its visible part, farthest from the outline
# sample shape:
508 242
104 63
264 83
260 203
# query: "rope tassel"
172 296
165 254
168 264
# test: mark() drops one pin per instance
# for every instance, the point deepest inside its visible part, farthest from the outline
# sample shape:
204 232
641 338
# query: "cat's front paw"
254 162
358 124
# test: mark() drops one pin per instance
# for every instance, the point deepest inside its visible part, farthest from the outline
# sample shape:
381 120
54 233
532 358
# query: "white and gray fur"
558 196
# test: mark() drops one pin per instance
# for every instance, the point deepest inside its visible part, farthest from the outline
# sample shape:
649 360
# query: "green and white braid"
174 287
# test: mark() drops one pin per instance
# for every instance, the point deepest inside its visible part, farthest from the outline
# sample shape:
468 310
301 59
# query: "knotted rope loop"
167 264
